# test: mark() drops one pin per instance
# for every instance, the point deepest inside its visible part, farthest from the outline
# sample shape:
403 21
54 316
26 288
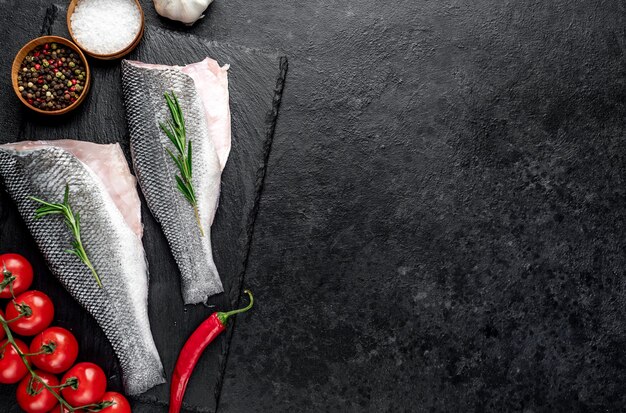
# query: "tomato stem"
96 407
62 386
34 354
71 382
47 348
8 278
2 349
23 309
15 319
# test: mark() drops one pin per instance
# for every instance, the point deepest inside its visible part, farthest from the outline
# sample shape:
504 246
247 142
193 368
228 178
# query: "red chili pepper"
193 349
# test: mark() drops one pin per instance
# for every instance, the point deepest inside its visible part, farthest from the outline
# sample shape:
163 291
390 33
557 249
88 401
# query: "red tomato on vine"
16 267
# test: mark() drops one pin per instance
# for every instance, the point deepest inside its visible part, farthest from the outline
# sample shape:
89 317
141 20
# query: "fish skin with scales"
208 128
114 247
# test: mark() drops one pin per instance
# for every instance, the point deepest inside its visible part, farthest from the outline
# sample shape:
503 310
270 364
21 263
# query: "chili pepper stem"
223 317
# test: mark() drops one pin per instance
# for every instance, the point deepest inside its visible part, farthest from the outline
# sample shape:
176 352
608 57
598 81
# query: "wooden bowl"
112 56
19 58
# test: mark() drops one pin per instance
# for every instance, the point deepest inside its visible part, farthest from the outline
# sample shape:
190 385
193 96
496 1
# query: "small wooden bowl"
112 56
19 58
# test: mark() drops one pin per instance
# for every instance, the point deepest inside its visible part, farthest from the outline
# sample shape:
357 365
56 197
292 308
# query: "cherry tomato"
40 310
121 404
64 350
91 383
12 368
44 400
2 333
20 268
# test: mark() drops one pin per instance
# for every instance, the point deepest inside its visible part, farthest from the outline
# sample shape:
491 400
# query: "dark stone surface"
255 85
442 221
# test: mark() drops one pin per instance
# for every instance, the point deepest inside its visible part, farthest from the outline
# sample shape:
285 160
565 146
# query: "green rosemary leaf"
170 134
177 113
178 143
77 220
191 190
190 158
50 208
176 160
182 187
171 105
41 214
182 117
44 202
74 252
72 221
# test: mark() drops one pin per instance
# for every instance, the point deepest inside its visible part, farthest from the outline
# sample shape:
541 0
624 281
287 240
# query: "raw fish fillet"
103 192
202 91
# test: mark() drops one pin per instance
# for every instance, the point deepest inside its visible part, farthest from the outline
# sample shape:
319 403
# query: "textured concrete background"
442 223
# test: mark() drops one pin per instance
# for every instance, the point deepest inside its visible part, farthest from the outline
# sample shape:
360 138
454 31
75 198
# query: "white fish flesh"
103 192
202 92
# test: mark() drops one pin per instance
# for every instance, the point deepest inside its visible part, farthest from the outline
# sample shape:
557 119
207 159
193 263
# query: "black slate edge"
157 403
48 20
246 49
235 294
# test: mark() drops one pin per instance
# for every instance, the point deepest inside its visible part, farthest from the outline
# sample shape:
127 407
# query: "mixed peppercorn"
52 77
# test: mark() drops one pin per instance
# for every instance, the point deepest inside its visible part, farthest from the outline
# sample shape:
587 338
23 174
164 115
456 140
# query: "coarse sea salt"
105 26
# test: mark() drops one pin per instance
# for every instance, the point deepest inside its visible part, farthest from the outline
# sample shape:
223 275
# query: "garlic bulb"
186 11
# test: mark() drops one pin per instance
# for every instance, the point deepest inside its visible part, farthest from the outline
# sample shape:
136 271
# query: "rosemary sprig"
72 220
176 132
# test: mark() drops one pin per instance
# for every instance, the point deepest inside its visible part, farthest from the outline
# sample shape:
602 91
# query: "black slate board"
255 82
